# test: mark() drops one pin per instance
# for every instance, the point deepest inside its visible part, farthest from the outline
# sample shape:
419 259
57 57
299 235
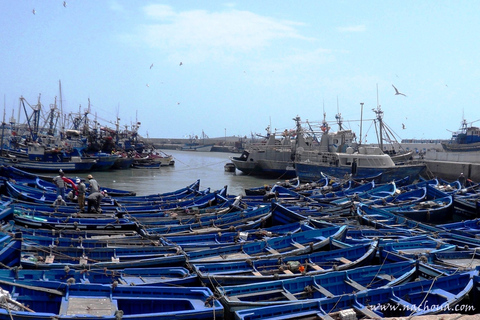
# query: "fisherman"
94 200
462 179
82 189
59 202
93 184
60 183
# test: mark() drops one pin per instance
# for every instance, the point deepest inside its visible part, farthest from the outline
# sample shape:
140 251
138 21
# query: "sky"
181 68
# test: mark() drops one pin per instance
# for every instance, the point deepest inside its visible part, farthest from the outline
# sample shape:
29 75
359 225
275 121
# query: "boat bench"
386 277
343 260
93 306
355 285
322 290
287 294
443 293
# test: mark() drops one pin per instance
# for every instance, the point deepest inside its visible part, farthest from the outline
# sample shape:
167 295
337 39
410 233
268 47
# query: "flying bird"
148 85
403 126
180 64
65 4
151 66
33 11
398 92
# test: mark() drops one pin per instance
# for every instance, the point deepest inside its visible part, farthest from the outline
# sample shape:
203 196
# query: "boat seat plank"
286 271
443 293
256 273
289 296
316 267
298 245
366 312
355 284
273 251
259 293
384 276
343 260
323 291
95 306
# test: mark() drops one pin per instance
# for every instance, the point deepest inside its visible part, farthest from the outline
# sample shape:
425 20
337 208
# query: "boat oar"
18 304
26 286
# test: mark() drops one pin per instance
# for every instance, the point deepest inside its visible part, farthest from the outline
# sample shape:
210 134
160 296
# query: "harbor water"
189 166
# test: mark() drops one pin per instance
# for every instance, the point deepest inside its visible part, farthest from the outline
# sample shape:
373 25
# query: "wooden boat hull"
48 300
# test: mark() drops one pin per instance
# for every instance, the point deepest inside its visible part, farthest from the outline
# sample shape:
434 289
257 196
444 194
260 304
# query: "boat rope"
424 298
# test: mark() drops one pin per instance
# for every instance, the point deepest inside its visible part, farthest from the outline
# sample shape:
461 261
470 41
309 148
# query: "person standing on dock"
82 189
60 184
93 184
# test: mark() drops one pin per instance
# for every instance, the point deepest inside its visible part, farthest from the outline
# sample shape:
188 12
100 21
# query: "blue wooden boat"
470 228
219 239
276 247
415 249
415 298
458 260
327 285
100 223
40 257
249 271
431 211
43 161
384 219
89 242
165 276
47 300
240 221
330 196
377 193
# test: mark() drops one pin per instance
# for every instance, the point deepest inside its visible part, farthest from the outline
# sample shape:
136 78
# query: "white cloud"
357 28
201 30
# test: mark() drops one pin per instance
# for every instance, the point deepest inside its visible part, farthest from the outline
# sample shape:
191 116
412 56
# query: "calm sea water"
189 166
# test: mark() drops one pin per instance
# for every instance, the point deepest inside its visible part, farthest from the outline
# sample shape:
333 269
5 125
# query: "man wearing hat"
82 189
93 184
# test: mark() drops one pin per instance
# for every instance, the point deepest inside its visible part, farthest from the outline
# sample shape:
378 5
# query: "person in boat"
462 179
59 202
94 200
81 189
93 184
72 196
60 183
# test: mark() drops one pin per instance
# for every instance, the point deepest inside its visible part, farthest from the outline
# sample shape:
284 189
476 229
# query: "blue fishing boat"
322 286
249 271
415 298
276 247
46 300
38 158
164 276
40 257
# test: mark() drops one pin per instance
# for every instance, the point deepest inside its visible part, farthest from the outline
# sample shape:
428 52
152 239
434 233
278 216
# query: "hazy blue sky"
246 64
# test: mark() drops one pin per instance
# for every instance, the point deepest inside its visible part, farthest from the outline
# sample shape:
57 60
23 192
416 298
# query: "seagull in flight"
403 126
180 64
151 66
147 85
398 92
65 4
33 11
